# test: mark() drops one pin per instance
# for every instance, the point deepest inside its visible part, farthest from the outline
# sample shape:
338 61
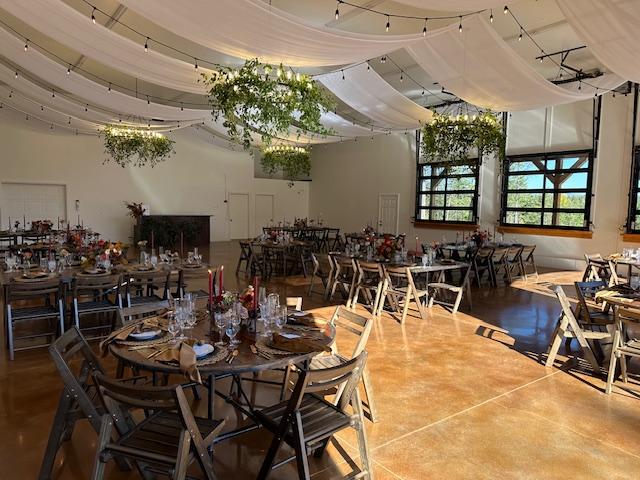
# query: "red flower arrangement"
387 248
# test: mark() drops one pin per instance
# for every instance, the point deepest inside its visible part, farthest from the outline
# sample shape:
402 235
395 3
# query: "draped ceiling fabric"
68 26
252 28
455 5
368 93
56 74
610 28
479 67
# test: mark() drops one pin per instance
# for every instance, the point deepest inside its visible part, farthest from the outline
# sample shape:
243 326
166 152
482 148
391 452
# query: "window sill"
631 237
444 226
549 232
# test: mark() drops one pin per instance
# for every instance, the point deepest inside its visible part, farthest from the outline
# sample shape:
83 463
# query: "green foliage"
452 139
136 147
259 98
293 161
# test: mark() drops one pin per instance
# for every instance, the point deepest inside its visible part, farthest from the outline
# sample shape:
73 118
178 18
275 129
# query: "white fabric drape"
42 66
252 28
456 5
368 93
479 67
611 30
68 26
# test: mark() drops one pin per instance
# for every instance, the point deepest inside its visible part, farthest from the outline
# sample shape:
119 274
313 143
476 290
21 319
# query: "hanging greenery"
294 162
135 147
452 139
258 97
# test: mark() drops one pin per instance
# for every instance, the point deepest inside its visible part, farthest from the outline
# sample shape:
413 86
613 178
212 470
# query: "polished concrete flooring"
459 397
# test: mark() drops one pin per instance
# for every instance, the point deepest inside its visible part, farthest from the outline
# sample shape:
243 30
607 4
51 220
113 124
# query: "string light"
342 74
368 66
383 59
460 25
16 74
491 16
424 29
26 44
388 26
93 15
69 70
11 94
146 45
181 107
109 87
506 10
338 10
520 36
53 94
148 102
196 63
86 108
401 76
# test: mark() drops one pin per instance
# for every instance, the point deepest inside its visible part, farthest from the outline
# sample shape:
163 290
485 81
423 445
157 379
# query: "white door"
263 212
238 216
32 201
388 205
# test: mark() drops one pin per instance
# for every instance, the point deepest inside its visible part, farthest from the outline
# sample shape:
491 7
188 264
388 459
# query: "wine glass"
221 323
232 330
281 318
173 328
52 265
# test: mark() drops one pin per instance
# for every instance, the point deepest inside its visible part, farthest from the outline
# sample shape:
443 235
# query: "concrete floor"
459 396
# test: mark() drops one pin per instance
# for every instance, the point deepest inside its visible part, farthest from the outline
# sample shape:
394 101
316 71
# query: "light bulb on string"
491 16
41 108
460 25
109 89
181 107
16 74
338 11
580 85
520 36
26 44
86 108
146 45
93 15
424 29
388 26
506 10
383 59
422 91
342 71
401 76
53 94
148 102
368 67
195 60
69 70
11 94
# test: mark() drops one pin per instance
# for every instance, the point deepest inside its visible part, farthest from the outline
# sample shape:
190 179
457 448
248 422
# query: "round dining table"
252 356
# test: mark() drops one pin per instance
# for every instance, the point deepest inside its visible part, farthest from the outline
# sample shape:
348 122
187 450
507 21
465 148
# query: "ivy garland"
451 139
259 97
293 161
136 147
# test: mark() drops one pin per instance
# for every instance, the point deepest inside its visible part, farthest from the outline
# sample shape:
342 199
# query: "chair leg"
363 446
368 390
55 436
182 458
10 333
612 362
103 439
557 341
405 309
265 469
300 448
456 304
285 382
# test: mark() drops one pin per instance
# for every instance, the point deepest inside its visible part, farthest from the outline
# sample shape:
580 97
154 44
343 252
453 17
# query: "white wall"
194 180
347 178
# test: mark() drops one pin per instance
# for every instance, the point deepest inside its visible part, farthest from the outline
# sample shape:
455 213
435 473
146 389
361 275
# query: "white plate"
146 335
203 350
299 313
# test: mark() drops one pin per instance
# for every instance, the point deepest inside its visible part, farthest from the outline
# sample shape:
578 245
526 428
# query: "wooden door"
238 216
388 205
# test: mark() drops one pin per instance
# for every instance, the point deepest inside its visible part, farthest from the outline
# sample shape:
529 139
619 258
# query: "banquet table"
215 367
629 262
283 248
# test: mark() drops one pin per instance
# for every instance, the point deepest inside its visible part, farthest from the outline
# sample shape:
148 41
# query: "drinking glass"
634 282
221 323
264 315
231 331
52 265
281 318
43 264
11 262
174 328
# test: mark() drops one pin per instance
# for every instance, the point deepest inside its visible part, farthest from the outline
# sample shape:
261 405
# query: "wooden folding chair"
345 277
484 264
597 268
147 287
499 264
76 363
569 327
370 281
167 440
436 288
528 261
624 347
399 290
514 262
245 257
323 269
307 422
93 295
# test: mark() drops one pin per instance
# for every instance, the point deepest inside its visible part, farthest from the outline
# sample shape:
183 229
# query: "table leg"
211 392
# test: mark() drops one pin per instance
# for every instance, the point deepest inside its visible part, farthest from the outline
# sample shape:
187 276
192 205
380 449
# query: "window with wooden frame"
633 217
447 193
549 190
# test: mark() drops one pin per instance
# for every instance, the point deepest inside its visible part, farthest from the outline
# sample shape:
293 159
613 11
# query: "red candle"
210 290
221 284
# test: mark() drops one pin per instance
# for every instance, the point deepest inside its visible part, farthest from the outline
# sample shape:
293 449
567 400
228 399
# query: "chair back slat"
95 284
145 397
128 314
564 302
355 324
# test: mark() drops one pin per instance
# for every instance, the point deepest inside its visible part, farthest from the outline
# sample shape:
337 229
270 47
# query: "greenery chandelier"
293 161
268 100
452 139
136 147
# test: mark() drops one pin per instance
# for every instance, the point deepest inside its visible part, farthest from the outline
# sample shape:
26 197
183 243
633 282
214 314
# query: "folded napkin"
298 345
149 323
307 320
185 356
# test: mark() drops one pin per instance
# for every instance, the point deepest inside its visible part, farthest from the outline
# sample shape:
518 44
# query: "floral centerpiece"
101 250
247 297
41 226
480 237
300 223
387 247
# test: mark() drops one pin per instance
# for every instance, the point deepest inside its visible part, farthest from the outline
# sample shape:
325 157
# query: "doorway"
238 216
388 206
